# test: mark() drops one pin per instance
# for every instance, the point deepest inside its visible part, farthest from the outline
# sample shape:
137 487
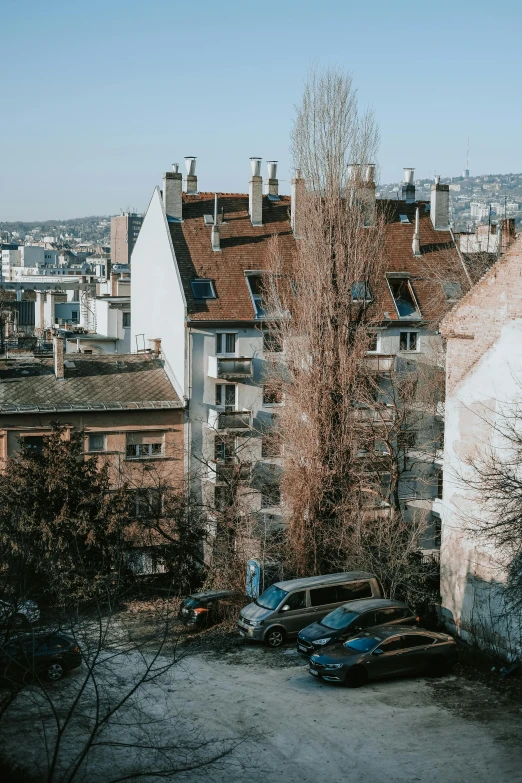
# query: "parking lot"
450 729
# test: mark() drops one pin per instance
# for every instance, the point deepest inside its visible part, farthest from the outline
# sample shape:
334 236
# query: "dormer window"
203 289
255 285
404 297
404 218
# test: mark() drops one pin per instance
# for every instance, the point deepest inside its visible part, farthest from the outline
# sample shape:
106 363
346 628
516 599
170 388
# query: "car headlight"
255 622
322 641
332 665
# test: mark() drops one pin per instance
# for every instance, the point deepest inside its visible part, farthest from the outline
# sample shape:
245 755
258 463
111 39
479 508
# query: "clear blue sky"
100 97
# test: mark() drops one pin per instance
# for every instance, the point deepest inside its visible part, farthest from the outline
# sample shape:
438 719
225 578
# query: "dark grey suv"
386 651
349 619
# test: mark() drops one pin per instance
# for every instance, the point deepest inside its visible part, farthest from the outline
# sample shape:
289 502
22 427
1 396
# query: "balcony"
230 420
229 367
379 362
233 471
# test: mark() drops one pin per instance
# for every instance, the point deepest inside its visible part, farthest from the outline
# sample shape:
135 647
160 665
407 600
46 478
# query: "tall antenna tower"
465 173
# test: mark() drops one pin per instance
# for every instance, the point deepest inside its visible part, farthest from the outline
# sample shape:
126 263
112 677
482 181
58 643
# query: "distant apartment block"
124 233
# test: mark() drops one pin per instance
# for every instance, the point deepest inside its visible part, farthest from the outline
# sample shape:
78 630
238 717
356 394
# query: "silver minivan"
285 608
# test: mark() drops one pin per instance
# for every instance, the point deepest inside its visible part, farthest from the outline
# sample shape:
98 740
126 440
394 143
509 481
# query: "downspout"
461 258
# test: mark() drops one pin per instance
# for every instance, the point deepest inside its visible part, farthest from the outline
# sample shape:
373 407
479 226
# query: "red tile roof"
244 247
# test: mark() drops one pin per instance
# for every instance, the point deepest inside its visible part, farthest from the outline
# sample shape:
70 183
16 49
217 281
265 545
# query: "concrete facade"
125 230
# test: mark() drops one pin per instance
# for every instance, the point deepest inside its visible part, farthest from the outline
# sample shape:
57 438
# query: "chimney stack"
255 198
408 189
192 180
59 368
439 209
155 345
214 240
172 193
297 205
273 182
361 189
415 245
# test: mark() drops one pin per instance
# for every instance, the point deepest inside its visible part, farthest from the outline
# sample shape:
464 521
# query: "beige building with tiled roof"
197 268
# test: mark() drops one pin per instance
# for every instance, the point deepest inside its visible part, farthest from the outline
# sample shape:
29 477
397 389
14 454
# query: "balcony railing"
230 420
233 471
229 367
379 362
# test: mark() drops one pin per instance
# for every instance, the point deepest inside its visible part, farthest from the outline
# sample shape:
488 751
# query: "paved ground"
400 730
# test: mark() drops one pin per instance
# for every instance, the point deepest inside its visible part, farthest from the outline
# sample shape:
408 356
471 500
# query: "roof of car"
392 630
367 604
212 594
326 579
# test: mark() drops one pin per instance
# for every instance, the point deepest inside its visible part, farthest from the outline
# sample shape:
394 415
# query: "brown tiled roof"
94 383
244 247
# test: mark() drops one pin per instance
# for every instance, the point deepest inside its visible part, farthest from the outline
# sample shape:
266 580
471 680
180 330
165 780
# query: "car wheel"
439 667
356 677
275 637
20 621
55 672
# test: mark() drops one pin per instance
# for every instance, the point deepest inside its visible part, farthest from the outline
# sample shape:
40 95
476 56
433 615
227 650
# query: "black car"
49 656
349 619
385 651
203 609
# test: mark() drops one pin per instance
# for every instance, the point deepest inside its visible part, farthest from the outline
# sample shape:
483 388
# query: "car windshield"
362 643
191 603
339 618
271 598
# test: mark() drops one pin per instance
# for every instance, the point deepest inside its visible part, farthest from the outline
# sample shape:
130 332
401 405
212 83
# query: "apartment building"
198 266
130 414
125 229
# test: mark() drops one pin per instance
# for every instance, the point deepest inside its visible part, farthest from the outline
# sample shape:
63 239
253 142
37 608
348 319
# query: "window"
270 446
406 439
203 289
272 396
224 449
392 645
148 503
74 316
383 616
452 290
226 396
404 297
270 496
411 640
33 443
255 284
226 343
223 497
96 441
437 529
374 340
409 341
144 445
323 595
440 484
296 601
361 292
272 342
353 590
126 320
404 218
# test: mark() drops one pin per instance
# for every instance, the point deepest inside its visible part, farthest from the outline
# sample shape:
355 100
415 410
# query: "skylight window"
452 290
404 297
255 284
203 289
361 292
404 218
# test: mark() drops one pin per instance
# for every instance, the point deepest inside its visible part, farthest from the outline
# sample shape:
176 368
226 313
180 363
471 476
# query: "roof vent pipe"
408 189
192 180
255 195
273 182
415 245
214 237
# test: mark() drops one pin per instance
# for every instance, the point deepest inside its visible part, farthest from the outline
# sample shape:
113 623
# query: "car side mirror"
378 651
357 628
285 608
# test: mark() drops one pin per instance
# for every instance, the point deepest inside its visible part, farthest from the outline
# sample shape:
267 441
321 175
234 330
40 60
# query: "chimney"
214 239
114 284
361 190
297 205
255 196
415 245
155 345
408 189
192 180
273 182
59 370
172 193
439 209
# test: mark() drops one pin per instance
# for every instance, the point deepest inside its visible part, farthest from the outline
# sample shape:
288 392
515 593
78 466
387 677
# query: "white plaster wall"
157 301
471 567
